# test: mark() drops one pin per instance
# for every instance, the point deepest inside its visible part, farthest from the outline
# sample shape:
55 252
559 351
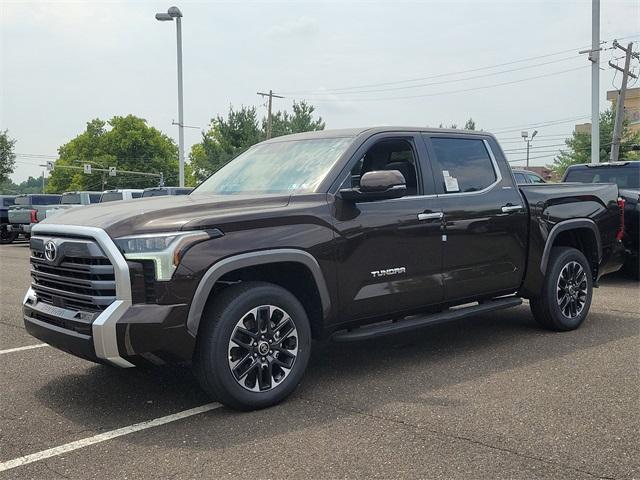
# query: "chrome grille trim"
104 326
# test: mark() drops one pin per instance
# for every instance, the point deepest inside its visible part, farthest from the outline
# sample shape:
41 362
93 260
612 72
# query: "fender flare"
250 259
563 226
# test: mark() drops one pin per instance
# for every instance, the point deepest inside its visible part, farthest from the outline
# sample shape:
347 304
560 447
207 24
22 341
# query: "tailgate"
19 215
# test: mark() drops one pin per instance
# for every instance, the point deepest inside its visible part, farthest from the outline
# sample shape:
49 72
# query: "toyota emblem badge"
50 251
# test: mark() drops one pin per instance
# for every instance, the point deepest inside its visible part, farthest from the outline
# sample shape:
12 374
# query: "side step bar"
416 322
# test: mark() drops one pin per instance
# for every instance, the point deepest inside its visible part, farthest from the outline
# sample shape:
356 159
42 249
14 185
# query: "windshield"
280 167
70 199
111 197
624 177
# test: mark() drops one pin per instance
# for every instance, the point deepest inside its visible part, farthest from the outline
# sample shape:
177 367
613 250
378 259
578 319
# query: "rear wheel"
6 236
253 346
566 295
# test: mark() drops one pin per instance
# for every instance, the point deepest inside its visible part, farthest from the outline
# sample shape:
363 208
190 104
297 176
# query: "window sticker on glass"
450 183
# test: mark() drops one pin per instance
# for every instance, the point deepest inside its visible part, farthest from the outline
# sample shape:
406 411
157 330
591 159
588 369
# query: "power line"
441 82
429 77
484 87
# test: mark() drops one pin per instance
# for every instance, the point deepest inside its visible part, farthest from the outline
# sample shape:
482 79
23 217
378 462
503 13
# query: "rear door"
389 252
485 219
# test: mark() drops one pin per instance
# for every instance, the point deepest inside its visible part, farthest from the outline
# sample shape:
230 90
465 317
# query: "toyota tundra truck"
346 235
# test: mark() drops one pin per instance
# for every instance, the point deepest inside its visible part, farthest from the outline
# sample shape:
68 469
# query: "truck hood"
168 213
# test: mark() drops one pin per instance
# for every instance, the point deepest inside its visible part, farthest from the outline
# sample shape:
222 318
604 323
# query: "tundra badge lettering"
388 271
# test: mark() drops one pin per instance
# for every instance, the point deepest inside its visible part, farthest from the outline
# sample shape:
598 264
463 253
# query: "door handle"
430 216
511 208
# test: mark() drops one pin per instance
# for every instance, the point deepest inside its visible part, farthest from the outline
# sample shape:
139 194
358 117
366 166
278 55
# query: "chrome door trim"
430 216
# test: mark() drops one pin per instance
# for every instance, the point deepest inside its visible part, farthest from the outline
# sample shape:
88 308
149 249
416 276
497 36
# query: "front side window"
278 167
392 154
535 178
7 202
463 164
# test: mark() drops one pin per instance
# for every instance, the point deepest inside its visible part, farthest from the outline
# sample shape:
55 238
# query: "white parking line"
103 437
19 349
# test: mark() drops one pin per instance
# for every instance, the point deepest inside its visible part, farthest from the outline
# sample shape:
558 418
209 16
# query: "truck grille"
81 277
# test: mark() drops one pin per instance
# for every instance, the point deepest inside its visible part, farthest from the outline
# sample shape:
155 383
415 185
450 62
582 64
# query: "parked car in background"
5 235
74 199
28 210
527 176
627 176
120 194
161 191
348 234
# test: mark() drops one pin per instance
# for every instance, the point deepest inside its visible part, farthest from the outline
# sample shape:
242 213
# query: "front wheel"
253 346
564 301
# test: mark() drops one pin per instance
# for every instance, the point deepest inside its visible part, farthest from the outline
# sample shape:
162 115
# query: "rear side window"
535 178
7 202
155 193
71 199
463 164
94 197
520 178
136 194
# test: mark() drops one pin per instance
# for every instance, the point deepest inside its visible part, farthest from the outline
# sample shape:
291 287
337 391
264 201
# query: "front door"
389 251
485 219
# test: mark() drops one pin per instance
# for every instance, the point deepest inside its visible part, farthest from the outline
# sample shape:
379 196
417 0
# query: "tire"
228 371
6 236
566 295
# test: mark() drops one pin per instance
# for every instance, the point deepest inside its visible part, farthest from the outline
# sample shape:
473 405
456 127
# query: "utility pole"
271 95
594 58
43 170
626 73
525 137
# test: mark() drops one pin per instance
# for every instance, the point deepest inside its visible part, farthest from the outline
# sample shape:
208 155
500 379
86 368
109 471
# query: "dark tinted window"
136 194
183 191
111 197
94 197
463 164
7 202
44 200
520 178
623 176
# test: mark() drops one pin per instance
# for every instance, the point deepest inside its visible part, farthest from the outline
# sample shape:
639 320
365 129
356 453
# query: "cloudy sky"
510 65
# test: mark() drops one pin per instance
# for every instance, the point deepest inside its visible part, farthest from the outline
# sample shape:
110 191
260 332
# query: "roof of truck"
354 132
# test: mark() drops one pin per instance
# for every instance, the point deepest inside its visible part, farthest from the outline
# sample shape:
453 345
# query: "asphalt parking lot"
489 397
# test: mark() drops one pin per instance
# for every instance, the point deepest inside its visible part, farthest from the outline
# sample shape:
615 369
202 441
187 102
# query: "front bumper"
142 333
123 334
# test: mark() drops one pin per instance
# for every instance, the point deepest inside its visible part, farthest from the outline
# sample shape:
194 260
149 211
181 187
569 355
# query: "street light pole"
174 12
525 136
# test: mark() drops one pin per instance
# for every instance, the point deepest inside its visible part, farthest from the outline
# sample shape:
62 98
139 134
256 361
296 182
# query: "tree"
470 124
284 123
7 155
126 143
227 138
579 145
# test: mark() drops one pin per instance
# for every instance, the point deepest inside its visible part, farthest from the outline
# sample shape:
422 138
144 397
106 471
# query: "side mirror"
377 185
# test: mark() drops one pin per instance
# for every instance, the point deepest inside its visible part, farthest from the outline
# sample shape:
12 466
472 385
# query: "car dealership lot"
493 396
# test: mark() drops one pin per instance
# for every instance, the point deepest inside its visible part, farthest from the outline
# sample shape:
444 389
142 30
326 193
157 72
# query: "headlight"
165 249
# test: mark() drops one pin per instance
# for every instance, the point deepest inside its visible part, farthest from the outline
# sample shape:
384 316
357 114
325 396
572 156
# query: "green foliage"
284 123
470 124
7 155
31 185
579 145
227 138
126 143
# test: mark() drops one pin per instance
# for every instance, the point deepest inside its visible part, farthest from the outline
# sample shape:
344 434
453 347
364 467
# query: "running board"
416 322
